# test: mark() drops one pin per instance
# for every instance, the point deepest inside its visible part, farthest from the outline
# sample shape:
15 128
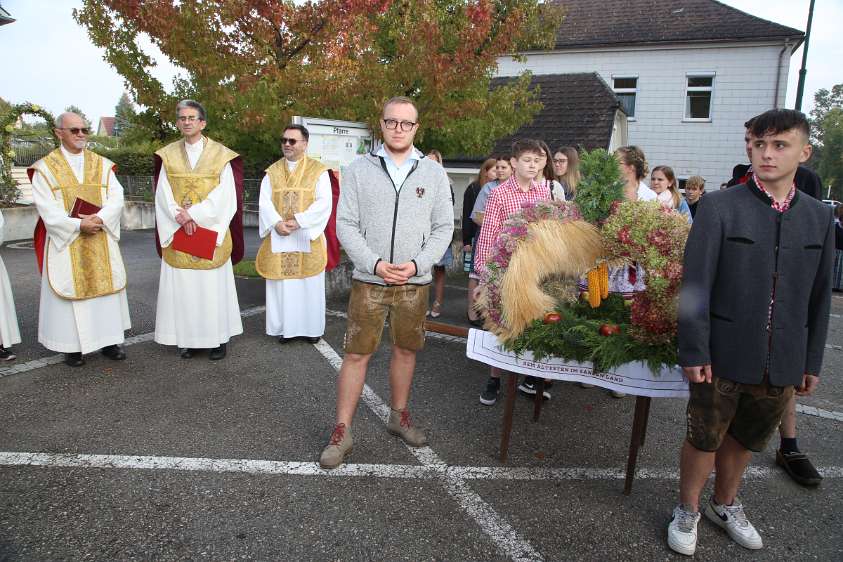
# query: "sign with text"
631 378
335 143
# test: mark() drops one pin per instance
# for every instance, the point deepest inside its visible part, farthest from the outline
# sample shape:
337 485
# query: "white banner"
335 143
632 378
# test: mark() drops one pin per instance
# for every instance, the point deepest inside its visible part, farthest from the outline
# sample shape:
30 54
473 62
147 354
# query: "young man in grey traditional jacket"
394 220
753 319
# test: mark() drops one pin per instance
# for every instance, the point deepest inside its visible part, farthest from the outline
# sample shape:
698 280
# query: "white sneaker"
682 531
733 519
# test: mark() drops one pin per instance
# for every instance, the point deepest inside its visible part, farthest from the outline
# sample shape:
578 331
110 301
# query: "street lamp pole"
803 71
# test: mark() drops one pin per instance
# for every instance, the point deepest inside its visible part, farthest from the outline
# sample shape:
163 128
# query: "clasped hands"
703 374
90 224
186 221
395 274
287 227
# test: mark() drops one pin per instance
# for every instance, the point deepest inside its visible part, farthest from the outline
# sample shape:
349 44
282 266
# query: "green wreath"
9 192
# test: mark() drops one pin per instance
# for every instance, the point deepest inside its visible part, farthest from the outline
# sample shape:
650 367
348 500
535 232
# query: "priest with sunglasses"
295 205
199 233
83 304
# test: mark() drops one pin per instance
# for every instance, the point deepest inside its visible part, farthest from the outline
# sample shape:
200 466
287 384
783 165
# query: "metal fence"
29 151
139 188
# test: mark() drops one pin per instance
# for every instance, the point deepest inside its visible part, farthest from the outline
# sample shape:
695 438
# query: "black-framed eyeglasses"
291 142
392 124
189 118
76 130
560 160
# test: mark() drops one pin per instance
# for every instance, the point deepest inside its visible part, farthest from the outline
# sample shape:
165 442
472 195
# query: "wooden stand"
639 421
639 425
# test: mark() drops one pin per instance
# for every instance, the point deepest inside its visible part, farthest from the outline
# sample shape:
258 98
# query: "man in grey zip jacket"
394 220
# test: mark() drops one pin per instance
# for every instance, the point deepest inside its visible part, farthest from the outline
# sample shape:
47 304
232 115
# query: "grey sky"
49 60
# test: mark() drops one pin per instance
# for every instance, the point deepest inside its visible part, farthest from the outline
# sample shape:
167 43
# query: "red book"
82 207
201 243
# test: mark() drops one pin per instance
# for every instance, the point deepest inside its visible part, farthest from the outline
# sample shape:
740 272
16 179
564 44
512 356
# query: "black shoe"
73 359
6 354
529 385
490 394
185 352
282 340
114 352
799 467
312 339
217 353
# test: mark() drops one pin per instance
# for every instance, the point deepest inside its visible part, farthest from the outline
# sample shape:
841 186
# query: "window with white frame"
698 93
626 88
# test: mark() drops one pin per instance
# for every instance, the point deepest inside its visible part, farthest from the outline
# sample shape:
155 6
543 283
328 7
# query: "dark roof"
593 23
5 17
579 110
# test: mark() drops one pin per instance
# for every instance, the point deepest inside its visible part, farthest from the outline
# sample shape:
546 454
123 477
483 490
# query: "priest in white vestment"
197 298
83 304
295 205
9 331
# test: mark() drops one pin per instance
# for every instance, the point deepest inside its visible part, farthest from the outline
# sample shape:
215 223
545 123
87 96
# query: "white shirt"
645 193
399 173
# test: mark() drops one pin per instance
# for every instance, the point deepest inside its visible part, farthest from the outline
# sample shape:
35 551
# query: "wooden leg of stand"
646 419
509 407
639 425
538 399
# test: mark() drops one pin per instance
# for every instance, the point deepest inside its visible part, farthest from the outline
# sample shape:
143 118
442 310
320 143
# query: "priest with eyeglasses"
199 233
295 205
83 305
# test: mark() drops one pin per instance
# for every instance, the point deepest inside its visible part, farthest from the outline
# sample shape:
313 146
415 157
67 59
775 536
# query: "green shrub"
134 160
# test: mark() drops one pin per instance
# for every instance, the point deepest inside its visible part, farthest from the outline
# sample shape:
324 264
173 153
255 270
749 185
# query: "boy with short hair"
753 318
505 200
694 189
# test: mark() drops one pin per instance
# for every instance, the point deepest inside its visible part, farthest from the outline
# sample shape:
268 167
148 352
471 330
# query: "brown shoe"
338 447
399 424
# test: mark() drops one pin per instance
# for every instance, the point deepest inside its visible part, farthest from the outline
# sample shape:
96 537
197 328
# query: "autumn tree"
256 63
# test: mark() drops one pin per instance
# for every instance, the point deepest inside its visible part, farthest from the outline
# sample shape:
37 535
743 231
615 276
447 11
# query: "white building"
689 73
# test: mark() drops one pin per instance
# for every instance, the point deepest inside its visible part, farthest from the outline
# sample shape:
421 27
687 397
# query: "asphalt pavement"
159 458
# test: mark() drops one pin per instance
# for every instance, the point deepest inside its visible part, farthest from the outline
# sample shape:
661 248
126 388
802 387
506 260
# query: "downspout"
779 73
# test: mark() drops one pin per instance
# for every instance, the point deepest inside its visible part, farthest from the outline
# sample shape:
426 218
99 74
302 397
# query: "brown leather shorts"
750 413
368 308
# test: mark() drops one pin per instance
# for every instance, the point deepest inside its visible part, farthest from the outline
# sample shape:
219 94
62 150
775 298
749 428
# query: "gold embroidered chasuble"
191 186
95 264
293 193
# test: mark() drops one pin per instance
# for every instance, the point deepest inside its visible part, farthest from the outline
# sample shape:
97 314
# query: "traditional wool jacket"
738 248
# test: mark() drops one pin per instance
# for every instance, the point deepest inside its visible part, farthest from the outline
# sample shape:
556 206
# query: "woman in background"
663 183
471 230
566 164
441 267
547 174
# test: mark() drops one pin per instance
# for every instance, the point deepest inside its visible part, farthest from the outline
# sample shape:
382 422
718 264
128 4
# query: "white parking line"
18 368
428 471
505 537
819 412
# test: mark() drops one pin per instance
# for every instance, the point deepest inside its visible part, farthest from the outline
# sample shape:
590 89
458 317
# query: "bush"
135 160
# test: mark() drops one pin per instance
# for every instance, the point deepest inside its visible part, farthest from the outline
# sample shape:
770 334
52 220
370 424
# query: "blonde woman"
663 183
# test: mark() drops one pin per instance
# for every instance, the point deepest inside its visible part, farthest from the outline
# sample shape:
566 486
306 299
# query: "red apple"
552 317
609 329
